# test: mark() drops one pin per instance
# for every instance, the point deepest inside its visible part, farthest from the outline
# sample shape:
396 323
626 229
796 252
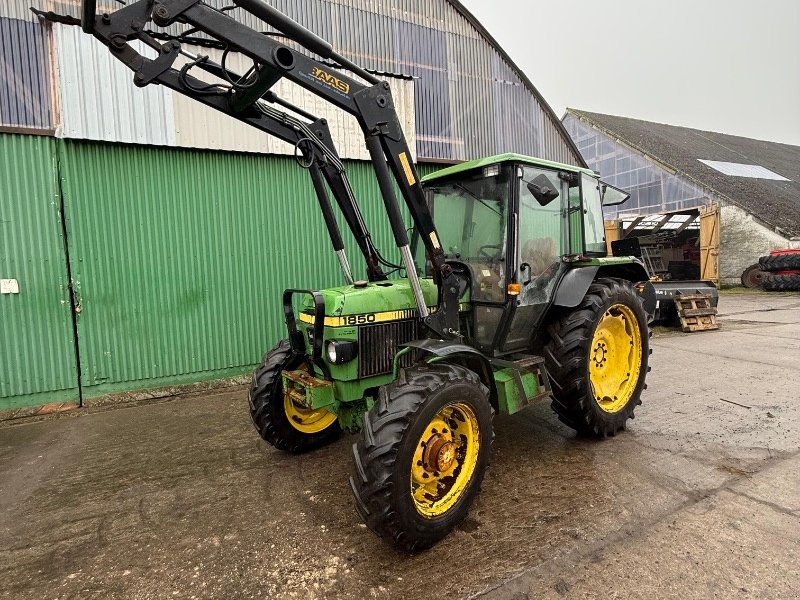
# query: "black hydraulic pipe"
273 98
387 191
300 34
325 206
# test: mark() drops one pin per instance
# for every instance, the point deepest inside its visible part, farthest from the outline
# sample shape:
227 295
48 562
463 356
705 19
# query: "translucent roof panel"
743 170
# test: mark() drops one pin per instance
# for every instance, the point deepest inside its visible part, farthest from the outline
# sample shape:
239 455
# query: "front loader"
504 295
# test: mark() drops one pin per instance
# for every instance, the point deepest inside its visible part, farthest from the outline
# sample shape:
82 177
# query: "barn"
146 239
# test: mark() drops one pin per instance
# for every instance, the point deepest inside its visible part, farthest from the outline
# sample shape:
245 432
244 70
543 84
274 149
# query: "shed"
747 190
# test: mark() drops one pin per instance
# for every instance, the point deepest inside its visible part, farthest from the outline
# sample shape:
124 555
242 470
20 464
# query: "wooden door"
709 243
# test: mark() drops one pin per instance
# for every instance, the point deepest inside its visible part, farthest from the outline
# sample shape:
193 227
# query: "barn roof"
759 176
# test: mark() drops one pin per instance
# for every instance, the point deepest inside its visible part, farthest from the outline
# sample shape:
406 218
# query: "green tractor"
545 313
508 295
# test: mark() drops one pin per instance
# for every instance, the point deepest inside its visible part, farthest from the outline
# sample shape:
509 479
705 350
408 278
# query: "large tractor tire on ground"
753 277
422 454
780 261
597 358
778 282
277 419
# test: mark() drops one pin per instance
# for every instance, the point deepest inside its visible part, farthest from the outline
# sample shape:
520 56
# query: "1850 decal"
359 319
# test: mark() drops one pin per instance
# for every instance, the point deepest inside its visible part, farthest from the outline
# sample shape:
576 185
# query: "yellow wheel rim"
615 358
445 459
305 420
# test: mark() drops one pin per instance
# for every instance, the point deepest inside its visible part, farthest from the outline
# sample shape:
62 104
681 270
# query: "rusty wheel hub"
440 453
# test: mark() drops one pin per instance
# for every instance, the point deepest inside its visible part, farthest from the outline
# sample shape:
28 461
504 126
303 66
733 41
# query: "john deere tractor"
504 294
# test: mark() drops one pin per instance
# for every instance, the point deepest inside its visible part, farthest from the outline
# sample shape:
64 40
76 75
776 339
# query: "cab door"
540 243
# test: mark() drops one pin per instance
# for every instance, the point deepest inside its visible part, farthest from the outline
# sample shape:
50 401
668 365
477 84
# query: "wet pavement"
700 498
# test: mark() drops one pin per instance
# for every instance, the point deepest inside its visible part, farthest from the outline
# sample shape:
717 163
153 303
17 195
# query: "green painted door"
37 354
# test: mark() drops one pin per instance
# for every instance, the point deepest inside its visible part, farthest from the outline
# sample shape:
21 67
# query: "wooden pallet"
696 313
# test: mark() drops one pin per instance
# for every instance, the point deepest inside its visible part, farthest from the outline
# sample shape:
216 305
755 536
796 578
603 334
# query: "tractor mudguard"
574 285
576 282
464 355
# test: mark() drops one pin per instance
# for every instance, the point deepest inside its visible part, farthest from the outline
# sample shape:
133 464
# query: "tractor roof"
502 158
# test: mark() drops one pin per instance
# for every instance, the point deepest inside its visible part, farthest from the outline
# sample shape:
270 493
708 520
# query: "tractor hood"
374 302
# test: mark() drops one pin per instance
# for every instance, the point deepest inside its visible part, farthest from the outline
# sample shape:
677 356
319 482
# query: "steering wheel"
482 251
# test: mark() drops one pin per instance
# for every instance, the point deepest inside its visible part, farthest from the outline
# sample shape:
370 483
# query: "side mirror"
542 189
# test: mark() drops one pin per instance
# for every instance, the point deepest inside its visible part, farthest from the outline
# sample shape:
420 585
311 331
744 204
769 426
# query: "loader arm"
370 103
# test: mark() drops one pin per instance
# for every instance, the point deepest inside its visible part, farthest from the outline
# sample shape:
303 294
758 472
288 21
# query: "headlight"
340 352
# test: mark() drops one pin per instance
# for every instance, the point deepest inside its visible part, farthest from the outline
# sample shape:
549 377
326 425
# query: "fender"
576 282
464 355
573 286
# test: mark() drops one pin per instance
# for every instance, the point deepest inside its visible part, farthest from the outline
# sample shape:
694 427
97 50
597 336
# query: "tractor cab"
515 223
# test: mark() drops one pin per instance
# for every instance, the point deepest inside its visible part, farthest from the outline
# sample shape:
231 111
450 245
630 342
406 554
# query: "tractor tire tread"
779 262
775 282
377 450
565 358
265 377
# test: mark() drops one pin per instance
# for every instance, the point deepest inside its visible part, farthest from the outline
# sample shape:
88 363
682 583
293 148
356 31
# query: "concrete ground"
699 499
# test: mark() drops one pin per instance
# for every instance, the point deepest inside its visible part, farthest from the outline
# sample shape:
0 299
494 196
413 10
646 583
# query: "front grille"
378 344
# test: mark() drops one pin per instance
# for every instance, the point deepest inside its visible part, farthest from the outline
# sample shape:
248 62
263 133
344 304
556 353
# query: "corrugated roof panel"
99 100
25 87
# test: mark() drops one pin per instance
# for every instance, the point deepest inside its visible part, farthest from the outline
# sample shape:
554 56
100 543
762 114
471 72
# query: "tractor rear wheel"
597 359
277 418
422 454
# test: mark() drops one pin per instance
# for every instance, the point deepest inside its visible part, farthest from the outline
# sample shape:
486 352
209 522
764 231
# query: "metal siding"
25 91
198 126
98 99
459 109
423 54
20 9
37 358
181 256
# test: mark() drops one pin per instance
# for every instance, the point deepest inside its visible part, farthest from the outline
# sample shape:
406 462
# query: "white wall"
742 241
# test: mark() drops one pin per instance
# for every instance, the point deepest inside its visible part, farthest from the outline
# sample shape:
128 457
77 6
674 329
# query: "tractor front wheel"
277 418
597 358
422 454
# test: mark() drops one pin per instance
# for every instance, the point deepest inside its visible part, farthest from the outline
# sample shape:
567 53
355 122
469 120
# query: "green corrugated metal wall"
180 257
37 356
178 261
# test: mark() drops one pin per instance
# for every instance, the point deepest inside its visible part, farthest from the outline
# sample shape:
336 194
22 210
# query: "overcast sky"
720 65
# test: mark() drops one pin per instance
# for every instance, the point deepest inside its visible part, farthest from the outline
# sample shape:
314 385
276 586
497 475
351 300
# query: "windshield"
471 217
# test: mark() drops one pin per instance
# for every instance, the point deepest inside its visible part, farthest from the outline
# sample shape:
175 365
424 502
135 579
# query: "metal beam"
664 221
632 226
686 224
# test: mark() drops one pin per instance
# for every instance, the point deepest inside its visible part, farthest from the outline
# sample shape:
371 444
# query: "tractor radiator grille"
378 344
